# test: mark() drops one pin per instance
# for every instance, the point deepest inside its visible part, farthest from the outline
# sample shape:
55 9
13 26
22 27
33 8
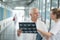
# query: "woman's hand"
19 32
47 35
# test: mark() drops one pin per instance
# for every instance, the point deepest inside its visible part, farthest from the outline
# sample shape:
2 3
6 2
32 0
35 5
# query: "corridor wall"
4 12
1 13
7 30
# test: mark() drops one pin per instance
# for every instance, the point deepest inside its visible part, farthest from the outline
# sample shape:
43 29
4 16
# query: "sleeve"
42 26
55 29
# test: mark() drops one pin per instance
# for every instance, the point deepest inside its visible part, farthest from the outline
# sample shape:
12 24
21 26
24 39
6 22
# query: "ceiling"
17 3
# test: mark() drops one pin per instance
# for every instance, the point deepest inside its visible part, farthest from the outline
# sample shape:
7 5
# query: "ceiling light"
19 8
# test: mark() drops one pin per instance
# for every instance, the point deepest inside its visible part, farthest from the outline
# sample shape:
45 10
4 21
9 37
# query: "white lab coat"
30 36
42 26
55 30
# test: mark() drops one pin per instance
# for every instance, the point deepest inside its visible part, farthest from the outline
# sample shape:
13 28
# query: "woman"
54 33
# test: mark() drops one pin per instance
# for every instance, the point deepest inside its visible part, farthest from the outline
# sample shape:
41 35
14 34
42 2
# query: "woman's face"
53 16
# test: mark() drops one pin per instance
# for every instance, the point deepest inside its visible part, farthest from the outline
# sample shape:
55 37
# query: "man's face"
34 15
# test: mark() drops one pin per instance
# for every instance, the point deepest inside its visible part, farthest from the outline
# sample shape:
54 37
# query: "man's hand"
19 32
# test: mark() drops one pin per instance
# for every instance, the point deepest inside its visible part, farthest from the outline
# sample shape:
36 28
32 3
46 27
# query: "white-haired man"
39 24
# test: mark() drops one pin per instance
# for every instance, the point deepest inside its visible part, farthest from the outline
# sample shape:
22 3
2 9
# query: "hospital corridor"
29 19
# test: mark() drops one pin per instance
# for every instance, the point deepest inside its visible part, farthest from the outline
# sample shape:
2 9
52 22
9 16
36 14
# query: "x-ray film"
28 27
